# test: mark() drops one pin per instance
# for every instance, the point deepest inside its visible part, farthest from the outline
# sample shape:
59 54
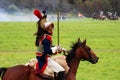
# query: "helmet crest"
38 13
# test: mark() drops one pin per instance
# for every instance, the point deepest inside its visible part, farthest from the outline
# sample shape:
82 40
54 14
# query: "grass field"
17 45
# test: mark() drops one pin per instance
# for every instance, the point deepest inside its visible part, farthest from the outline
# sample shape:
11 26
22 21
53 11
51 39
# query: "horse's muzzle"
94 60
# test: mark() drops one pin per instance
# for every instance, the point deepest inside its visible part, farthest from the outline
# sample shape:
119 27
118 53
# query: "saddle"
48 72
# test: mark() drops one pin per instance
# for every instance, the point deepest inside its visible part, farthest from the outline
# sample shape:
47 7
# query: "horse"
112 16
102 17
95 16
79 51
98 17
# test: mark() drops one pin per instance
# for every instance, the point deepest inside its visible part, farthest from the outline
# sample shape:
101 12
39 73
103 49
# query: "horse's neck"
74 63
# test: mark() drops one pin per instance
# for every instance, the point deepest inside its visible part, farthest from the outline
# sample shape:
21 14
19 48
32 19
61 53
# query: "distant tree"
115 5
71 1
86 7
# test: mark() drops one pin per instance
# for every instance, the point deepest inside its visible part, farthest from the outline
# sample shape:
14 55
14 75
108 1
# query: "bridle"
88 53
90 57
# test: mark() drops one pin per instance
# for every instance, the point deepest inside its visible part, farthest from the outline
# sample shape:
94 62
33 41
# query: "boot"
55 76
61 75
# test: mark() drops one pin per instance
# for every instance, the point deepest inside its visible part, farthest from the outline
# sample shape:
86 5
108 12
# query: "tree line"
86 7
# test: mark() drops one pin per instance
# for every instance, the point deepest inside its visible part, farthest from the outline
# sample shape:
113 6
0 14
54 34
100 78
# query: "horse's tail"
2 71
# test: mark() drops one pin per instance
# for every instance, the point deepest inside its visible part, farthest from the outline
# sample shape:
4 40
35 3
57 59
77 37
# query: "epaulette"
48 37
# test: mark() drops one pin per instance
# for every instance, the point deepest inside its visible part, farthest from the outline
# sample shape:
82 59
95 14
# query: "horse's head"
85 52
81 51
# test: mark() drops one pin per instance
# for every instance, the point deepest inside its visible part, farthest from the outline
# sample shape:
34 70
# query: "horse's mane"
2 72
71 53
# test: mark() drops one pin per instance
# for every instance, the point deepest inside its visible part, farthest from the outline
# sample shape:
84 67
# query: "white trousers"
54 65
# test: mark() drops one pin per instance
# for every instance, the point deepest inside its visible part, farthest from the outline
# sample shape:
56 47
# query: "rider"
101 14
43 43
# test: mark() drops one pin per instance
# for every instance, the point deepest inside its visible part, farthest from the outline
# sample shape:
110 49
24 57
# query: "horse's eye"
88 49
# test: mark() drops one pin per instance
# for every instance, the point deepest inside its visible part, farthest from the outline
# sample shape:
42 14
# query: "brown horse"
80 51
98 17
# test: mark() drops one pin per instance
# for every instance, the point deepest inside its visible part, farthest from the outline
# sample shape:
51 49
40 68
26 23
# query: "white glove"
56 49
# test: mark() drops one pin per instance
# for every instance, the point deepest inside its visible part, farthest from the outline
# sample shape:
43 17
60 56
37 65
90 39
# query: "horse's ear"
84 43
79 40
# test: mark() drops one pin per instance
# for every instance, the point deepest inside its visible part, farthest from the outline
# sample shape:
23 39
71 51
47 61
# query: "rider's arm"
47 46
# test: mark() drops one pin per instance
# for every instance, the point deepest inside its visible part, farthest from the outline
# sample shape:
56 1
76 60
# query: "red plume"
37 13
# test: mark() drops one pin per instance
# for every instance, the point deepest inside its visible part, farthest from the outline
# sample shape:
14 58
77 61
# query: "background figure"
101 13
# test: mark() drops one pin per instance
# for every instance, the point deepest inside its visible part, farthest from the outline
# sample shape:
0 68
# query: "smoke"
22 16
29 16
16 16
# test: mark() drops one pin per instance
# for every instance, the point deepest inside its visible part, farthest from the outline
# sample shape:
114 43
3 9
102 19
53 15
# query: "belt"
39 54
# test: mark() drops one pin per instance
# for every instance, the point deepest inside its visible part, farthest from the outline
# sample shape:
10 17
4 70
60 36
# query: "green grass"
17 45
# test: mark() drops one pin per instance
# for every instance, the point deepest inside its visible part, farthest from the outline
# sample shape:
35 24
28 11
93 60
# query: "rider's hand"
56 49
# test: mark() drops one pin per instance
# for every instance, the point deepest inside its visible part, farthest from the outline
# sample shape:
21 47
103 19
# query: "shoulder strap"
42 38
